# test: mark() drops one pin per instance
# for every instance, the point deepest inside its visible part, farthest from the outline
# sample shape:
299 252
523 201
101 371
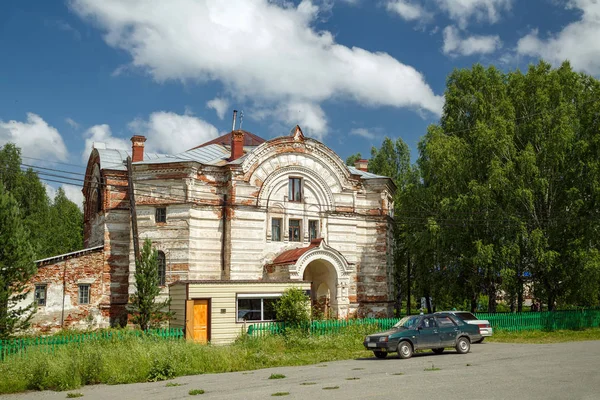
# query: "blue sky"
349 72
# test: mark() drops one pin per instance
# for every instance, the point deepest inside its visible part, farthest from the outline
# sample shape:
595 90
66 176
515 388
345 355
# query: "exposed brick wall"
62 279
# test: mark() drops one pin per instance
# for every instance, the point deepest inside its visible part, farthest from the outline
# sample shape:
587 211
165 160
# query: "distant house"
238 209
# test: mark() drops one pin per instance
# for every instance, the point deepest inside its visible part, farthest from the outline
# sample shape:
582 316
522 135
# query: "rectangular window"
295 189
256 309
161 215
84 294
276 229
40 295
313 229
294 230
162 268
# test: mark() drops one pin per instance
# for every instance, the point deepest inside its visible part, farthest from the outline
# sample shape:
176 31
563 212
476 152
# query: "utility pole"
134 228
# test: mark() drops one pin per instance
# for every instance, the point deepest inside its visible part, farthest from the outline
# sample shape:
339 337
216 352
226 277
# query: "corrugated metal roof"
364 174
291 256
250 139
115 159
70 255
206 155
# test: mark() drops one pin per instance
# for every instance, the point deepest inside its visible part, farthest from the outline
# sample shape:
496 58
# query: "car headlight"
383 339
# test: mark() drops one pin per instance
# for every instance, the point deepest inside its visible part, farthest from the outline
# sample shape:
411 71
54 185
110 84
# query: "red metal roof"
250 139
291 256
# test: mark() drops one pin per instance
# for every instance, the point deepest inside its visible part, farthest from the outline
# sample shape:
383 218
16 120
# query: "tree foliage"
351 160
293 307
146 312
55 227
504 195
16 267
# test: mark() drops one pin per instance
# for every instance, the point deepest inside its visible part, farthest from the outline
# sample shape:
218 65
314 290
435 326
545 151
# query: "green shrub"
293 307
161 370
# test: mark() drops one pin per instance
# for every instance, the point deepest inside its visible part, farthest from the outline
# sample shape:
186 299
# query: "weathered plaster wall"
62 279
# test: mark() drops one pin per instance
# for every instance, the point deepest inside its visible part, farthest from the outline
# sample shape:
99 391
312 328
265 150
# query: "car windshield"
467 316
407 322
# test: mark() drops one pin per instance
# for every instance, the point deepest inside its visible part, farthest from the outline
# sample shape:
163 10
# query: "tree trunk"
428 302
408 284
473 303
520 296
492 298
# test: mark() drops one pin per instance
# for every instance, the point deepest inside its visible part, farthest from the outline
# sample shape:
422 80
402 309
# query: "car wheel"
479 341
380 354
405 350
438 351
463 345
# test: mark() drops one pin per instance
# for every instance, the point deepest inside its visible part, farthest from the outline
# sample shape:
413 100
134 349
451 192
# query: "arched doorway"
324 283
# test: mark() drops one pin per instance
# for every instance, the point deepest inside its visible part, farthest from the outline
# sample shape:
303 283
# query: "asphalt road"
489 371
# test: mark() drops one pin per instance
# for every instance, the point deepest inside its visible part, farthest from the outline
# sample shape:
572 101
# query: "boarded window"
276 229
40 295
162 269
294 234
84 294
161 215
295 189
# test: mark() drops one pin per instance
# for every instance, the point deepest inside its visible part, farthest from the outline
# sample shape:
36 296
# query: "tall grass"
141 359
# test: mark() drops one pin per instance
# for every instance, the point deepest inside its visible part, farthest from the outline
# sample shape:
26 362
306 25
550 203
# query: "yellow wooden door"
197 320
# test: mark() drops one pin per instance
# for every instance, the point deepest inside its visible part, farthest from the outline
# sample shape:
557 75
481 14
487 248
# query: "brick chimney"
362 165
237 145
137 148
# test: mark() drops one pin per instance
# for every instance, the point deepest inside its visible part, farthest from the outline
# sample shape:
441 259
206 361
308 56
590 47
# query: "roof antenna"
233 122
241 119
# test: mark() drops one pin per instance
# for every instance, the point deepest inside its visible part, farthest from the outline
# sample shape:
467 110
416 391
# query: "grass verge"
540 337
142 359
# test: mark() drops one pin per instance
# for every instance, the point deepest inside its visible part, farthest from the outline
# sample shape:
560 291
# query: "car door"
448 330
429 335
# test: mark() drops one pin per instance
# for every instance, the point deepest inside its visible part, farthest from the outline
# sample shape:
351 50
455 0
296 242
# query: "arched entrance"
329 274
324 282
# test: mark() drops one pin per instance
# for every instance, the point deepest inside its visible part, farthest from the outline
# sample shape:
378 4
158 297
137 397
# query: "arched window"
162 269
98 198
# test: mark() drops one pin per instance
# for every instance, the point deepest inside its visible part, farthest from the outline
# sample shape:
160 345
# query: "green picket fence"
318 328
48 344
513 322
547 320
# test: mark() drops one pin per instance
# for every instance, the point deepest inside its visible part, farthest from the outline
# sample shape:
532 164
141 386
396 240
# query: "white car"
485 328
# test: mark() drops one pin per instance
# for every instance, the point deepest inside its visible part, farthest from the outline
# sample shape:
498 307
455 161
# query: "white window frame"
254 296
89 291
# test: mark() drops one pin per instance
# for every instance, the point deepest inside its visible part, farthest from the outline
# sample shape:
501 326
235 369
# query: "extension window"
259 307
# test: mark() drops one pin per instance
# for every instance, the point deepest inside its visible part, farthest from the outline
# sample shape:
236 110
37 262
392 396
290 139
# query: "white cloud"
408 10
461 11
577 42
363 132
309 116
72 123
260 50
171 133
454 44
103 134
35 138
50 191
220 105
74 194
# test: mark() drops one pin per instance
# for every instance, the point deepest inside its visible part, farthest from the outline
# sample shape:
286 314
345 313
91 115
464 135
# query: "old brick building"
242 209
